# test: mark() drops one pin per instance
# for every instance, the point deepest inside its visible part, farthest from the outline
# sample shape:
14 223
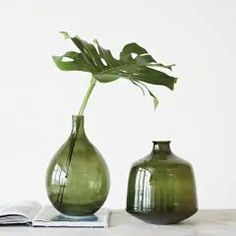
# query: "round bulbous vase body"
161 187
77 178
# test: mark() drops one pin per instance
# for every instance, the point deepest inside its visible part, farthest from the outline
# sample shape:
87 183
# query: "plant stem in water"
73 138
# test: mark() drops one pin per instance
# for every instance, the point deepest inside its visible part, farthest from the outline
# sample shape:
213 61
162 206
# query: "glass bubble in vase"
77 178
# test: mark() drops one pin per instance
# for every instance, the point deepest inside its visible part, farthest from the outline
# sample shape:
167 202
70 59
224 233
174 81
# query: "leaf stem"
87 95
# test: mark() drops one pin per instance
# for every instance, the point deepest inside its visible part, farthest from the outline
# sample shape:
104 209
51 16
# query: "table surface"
203 223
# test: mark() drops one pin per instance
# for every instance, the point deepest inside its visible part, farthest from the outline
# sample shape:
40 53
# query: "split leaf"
134 64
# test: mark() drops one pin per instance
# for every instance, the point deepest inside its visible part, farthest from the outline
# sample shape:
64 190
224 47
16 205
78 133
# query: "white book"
32 213
48 216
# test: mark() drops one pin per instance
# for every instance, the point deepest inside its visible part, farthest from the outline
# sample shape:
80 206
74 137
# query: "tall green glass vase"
77 178
161 188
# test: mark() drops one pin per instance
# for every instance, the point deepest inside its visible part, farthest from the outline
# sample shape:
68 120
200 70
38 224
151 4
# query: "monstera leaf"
134 64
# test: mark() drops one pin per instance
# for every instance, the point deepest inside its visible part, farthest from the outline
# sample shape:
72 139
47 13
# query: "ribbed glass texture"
161 188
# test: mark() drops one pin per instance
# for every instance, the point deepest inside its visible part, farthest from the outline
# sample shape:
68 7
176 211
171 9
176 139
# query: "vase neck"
161 147
78 124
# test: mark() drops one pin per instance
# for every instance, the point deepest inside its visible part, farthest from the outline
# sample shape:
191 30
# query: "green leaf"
139 86
126 53
107 56
66 66
77 62
155 100
151 76
65 34
106 78
134 64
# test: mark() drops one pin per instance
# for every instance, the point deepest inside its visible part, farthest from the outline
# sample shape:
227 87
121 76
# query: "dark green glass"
77 177
161 188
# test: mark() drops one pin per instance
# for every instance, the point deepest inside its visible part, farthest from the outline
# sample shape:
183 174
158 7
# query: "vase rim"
161 141
77 116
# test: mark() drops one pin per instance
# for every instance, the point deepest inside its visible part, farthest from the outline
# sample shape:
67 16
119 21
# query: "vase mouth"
161 146
161 142
77 124
77 116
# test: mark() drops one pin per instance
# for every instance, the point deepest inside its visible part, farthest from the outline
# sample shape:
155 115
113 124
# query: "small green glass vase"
77 178
161 187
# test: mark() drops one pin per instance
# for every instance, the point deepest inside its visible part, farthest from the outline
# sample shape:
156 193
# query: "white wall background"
37 100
